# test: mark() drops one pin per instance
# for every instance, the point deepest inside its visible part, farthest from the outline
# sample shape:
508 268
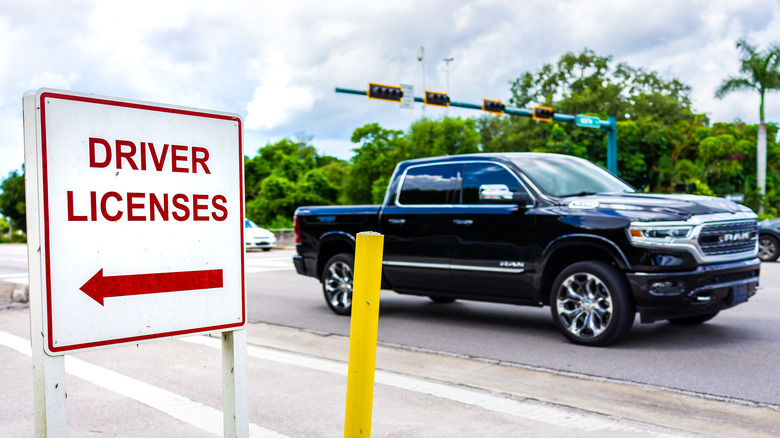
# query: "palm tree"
760 71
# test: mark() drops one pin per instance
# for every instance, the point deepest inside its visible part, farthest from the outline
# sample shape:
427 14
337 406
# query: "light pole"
448 60
421 58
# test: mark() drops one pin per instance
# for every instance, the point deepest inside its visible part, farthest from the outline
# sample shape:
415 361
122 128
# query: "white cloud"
277 63
276 101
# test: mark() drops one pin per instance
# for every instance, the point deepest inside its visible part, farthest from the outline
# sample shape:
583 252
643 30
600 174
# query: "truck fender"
553 261
330 244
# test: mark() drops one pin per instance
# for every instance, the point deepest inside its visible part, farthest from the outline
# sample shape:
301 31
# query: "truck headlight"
659 234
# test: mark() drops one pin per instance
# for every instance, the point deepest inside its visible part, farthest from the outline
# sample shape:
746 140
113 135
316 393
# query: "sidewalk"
298 389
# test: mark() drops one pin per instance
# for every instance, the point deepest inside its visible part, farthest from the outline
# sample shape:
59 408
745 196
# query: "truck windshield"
562 176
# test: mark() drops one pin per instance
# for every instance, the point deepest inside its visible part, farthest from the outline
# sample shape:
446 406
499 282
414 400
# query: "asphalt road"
732 357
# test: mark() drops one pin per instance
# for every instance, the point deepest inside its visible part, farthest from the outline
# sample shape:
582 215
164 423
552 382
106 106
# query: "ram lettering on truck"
541 230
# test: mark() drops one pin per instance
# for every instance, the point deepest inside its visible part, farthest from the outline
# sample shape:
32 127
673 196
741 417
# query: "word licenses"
141 206
135 206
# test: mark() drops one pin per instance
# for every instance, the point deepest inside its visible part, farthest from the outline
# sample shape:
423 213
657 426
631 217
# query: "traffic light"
436 98
493 106
385 92
543 113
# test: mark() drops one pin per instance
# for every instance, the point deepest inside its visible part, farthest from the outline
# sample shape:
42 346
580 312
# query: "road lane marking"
255 269
525 410
268 264
182 408
15 278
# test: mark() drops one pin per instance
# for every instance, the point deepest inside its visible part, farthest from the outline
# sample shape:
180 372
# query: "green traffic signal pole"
610 126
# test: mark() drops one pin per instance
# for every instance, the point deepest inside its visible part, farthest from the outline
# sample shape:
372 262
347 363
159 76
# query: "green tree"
382 149
12 204
286 174
5 227
585 83
374 160
314 188
759 71
649 110
444 136
275 201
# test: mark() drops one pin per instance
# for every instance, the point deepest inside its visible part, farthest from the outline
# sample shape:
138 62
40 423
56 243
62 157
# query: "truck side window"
430 185
479 174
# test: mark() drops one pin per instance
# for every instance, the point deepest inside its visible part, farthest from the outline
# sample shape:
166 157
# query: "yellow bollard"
363 330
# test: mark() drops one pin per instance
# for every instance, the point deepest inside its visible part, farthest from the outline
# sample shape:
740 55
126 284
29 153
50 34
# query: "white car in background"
257 237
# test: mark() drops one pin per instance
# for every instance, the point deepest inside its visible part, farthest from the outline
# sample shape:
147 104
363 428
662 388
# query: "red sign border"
45 186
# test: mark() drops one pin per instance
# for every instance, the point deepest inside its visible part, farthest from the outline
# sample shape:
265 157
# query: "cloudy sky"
277 63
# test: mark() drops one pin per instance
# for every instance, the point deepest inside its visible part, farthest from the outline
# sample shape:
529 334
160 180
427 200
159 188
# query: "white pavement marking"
529 411
267 264
180 407
15 278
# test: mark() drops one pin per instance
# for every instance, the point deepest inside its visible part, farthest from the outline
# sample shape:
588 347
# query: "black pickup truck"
541 229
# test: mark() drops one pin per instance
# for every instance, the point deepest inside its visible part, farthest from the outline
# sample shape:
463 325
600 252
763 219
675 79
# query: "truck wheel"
337 283
768 248
693 320
591 303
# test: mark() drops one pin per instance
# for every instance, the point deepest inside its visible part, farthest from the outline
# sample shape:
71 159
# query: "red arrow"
99 287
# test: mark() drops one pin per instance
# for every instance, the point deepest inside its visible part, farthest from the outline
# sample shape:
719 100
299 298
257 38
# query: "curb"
14 293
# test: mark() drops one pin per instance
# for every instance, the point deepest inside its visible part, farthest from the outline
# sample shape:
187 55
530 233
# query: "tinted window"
426 185
479 174
561 175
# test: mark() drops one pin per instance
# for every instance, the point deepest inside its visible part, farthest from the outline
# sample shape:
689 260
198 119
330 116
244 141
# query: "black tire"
266 249
768 248
693 320
337 278
591 303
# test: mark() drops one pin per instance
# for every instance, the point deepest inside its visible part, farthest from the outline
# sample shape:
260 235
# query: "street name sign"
138 215
587 121
407 100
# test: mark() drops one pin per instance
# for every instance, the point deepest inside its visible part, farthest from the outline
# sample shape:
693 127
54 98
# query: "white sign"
407 100
140 216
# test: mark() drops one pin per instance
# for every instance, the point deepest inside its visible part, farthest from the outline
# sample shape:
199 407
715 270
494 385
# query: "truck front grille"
729 238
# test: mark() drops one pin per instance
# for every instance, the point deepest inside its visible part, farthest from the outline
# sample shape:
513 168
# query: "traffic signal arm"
610 126
521 112
349 91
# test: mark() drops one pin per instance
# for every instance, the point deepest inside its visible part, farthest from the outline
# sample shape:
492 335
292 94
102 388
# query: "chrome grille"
729 237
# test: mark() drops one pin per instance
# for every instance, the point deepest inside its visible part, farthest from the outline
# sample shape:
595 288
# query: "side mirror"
494 192
521 198
500 194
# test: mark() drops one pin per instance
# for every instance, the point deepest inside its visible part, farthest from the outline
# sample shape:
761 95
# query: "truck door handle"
396 221
465 222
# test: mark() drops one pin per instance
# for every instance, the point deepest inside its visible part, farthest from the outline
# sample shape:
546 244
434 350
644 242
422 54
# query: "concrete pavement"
298 389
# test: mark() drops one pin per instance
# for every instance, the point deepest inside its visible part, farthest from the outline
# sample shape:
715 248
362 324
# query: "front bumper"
707 289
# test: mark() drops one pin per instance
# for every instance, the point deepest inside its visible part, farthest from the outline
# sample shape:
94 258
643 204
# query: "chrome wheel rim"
766 248
338 285
584 305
